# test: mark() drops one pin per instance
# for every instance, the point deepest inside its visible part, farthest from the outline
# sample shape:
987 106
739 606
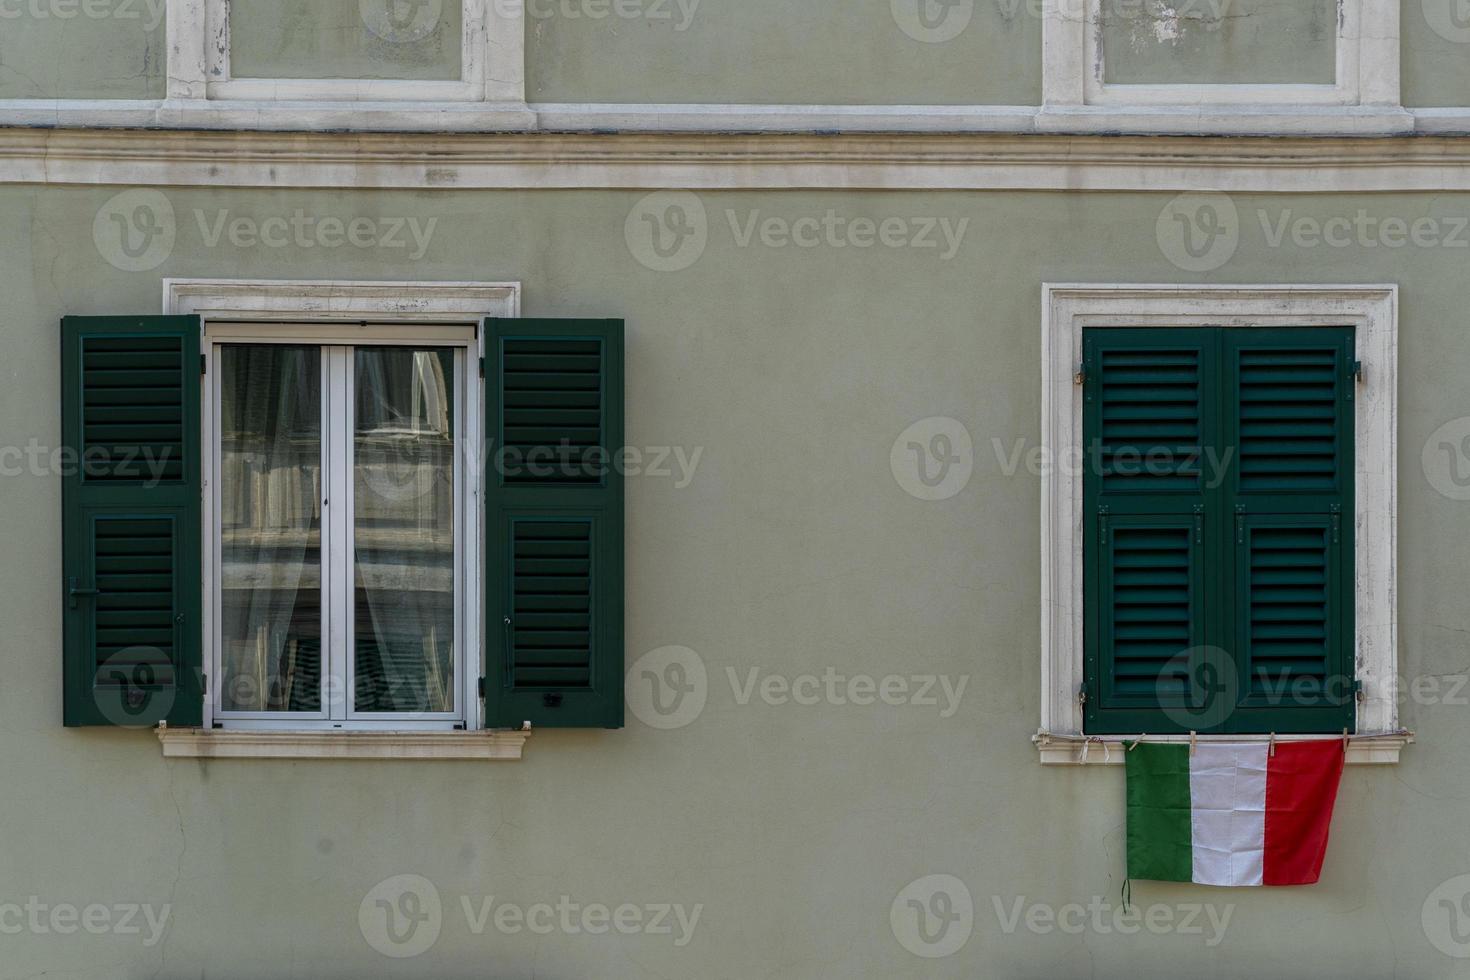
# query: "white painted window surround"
493 62
334 307
1066 311
1074 71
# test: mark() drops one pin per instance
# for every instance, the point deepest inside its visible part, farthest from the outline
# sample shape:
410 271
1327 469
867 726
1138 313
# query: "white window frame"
1068 309
1074 72
418 312
492 62
337 343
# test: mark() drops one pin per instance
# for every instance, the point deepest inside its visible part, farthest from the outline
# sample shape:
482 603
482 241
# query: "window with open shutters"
291 525
1217 508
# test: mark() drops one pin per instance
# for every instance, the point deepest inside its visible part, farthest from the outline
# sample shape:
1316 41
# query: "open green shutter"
1290 416
554 523
1149 412
131 573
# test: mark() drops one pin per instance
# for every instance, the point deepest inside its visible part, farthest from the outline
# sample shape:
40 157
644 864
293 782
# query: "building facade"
680 488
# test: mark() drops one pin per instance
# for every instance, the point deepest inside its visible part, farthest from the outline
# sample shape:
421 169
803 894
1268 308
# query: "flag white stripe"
1227 789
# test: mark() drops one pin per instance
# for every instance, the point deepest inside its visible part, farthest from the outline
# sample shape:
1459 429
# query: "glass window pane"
270 496
363 39
403 486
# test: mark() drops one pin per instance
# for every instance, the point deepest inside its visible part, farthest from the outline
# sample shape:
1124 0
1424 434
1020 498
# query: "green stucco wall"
109 49
763 51
794 549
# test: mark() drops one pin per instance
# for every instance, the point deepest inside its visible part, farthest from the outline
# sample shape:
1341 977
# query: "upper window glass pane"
1224 42
367 39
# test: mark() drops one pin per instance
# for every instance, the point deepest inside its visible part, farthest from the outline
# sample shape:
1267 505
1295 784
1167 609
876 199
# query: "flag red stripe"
1301 789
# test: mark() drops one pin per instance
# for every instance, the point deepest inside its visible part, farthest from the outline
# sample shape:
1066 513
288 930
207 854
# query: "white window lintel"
1069 308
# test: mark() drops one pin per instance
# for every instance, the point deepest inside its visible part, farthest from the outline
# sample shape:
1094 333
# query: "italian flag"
1231 813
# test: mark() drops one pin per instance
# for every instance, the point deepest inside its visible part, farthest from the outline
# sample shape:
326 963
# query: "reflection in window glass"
403 534
270 494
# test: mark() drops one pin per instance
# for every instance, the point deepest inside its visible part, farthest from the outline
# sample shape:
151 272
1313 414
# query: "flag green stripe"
1160 842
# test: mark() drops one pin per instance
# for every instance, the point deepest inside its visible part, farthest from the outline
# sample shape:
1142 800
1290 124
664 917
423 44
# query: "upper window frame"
1074 70
1069 308
492 62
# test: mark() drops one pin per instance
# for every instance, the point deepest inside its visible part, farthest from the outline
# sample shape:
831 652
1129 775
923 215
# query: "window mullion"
337 527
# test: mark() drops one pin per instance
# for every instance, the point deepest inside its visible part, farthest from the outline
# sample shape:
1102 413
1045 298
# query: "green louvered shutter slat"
1149 411
1289 396
554 540
131 573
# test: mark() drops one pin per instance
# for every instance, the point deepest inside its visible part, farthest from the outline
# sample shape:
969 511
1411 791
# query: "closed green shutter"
1149 412
131 573
1290 400
554 516
1218 568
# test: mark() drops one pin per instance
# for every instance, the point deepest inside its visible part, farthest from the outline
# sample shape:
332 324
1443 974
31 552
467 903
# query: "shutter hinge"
1358 371
203 364
482 367
1081 376
1082 695
204 683
1358 694
481 688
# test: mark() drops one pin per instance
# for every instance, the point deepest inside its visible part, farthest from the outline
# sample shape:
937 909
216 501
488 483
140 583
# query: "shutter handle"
509 650
73 593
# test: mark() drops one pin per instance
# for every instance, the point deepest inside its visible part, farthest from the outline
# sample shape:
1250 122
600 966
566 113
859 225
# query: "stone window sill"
199 743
